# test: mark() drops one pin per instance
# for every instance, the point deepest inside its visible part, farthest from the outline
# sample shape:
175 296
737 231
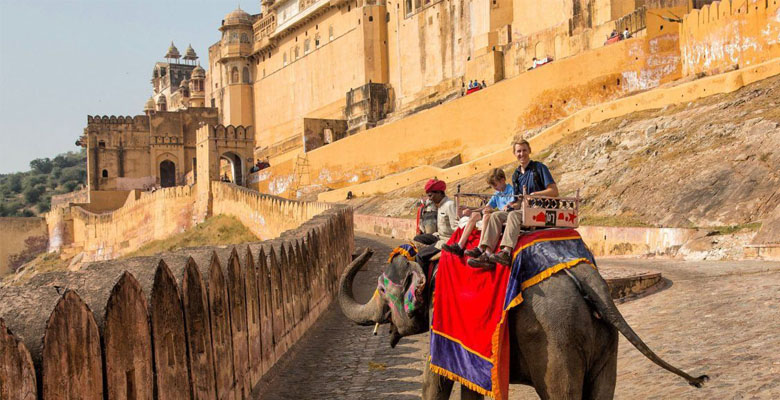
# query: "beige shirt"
446 220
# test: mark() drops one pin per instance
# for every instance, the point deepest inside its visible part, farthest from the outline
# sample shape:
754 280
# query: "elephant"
563 337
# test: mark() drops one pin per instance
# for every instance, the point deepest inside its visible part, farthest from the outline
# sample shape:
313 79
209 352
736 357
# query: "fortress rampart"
148 216
197 323
728 34
145 216
483 122
22 238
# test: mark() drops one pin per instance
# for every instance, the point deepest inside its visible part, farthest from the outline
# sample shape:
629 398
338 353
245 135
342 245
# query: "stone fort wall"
145 216
22 239
727 33
484 122
196 323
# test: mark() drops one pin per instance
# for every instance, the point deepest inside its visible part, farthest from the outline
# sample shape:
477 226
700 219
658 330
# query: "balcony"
265 26
236 50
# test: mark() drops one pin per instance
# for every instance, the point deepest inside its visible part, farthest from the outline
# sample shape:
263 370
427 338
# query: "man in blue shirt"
537 180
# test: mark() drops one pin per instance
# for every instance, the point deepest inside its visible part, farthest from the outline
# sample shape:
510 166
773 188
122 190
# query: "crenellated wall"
728 34
145 216
266 216
199 323
148 216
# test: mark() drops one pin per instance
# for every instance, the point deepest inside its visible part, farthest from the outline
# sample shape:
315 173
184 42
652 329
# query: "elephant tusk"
376 328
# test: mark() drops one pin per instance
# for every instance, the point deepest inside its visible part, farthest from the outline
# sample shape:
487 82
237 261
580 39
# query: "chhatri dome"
149 106
189 54
198 73
173 52
238 17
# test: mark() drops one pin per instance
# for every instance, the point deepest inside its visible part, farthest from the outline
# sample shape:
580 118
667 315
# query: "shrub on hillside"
32 194
23 192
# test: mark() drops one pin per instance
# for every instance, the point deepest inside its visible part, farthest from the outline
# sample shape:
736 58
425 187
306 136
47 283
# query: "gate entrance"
167 174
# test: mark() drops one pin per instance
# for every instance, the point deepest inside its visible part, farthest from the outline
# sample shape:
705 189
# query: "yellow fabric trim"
444 335
543 240
457 378
494 375
497 394
550 271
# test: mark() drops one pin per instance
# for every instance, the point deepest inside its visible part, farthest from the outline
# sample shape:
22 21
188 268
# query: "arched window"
105 173
330 32
297 53
233 37
245 75
234 75
317 40
244 38
306 46
284 59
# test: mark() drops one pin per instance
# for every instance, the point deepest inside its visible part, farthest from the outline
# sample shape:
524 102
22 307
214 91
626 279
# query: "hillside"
219 230
709 163
27 194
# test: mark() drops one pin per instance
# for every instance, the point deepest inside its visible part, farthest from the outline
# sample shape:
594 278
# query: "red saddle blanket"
469 333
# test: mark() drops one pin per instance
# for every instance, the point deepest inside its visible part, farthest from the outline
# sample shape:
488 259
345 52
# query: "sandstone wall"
21 239
730 33
602 240
145 216
658 98
511 106
266 216
201 323
79 196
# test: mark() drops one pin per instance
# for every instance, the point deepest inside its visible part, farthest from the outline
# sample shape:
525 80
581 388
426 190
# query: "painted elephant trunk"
362 314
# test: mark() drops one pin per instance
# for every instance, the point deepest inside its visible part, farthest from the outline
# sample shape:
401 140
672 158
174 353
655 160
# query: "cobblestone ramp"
718 318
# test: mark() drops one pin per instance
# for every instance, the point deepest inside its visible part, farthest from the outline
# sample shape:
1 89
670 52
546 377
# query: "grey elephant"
563 337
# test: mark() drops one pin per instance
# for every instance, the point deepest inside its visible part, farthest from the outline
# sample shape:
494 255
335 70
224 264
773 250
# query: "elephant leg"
435 386
468 394
603 374
562 378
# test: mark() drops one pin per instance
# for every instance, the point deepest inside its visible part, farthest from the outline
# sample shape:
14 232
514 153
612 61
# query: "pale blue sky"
63 60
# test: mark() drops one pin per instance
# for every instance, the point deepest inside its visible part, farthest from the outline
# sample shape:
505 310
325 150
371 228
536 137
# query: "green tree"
32 194
15 182
32 180
70 186
43 206
41 165
74 173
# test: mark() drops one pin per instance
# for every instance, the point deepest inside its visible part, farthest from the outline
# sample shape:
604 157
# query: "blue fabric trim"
454 358
536 258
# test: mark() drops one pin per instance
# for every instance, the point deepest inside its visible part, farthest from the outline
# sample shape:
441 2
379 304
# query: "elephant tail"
595 291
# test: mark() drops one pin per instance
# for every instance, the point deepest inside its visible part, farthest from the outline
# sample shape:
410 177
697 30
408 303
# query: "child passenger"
499 201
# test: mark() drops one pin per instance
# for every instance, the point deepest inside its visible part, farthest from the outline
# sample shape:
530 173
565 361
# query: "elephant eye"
407 282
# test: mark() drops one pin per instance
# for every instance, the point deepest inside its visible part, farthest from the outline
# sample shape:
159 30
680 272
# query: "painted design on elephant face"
394 293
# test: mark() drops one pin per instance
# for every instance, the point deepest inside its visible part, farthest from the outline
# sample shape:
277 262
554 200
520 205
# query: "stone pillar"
207 171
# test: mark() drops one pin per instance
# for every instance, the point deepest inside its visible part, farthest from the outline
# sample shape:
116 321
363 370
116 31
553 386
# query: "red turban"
435 185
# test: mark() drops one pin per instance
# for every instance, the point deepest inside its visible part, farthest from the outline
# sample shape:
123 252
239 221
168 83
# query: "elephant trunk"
596 293
361 314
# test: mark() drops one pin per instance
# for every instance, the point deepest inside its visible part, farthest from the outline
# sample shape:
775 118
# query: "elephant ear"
414 298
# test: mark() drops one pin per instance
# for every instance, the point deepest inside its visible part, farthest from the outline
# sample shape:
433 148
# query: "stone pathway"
718 318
